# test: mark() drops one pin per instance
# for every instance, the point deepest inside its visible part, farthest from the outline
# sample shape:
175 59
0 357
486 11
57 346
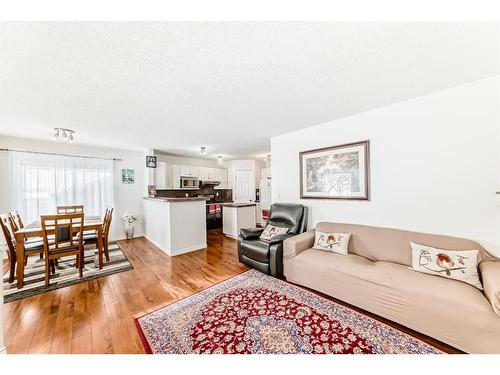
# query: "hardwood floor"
98 316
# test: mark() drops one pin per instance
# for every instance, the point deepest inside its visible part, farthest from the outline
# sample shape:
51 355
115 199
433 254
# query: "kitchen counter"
175 225
236 216
182 199
238 204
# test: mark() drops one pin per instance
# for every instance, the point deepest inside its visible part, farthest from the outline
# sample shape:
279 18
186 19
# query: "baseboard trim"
176 252
189 249
124 237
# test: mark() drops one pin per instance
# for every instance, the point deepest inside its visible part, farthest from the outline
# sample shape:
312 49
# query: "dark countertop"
237 205
184 199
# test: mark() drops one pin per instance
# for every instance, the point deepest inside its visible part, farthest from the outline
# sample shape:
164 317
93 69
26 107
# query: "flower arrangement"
129 217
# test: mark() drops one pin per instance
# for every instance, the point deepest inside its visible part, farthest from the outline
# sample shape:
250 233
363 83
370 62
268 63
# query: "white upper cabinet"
176 177
188 171
203 173
168 176
221 175
164 176
161 175
212 174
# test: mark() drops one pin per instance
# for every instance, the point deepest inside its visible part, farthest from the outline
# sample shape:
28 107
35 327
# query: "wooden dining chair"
92 238
30 248
62 236
72 209
17 222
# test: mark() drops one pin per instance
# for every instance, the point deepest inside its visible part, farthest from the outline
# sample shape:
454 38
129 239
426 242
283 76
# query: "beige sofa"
375 277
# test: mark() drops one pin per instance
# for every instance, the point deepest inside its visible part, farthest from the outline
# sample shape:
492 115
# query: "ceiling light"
67 135
203 150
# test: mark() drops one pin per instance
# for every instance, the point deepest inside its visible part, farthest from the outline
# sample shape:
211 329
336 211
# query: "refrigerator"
265 198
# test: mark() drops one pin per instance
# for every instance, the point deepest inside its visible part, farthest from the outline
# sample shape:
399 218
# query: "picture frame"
150 161
128 176
339 172
152 191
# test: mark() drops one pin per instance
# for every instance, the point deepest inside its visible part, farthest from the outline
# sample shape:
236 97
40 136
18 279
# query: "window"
40 182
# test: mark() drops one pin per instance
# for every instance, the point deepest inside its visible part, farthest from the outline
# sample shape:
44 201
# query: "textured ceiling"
176 86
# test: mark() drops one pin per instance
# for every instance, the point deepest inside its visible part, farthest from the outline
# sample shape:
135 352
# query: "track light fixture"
66 135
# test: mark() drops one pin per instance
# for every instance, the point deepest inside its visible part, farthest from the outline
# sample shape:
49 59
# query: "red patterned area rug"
253 313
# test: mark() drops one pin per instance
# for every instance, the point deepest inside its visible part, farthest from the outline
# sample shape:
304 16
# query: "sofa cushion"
393 245
397 277
448 310
255 249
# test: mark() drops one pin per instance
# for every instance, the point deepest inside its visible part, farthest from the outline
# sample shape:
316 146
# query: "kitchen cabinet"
164 176
168 176
188 171
160 175
212 174
203 173
176 177
221 175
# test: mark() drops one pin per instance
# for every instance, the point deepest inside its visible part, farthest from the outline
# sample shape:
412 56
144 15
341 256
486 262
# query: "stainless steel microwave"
189 183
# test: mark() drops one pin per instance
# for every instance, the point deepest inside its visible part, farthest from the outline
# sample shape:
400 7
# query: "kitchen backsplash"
225 195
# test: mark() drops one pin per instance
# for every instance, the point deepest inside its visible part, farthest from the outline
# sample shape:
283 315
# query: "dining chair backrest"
62 232
107 221
70 209
8 233
17 222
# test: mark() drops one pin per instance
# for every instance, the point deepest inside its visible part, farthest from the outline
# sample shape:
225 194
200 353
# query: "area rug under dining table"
253 313
66 273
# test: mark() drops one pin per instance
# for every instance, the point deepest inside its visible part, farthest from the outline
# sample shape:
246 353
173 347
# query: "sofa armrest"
280 238
250 233
295 245
490 273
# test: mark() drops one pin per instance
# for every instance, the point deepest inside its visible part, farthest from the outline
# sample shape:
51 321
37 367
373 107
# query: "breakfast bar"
176 225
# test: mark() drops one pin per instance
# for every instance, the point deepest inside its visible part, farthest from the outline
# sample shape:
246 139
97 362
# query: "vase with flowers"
129 218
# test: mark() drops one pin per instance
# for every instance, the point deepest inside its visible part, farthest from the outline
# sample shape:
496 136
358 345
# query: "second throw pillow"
452 264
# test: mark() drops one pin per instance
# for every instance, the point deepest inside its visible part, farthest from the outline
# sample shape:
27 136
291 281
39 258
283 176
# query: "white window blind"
40 182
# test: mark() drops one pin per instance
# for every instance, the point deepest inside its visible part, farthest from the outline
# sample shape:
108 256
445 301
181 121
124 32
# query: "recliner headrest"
287 215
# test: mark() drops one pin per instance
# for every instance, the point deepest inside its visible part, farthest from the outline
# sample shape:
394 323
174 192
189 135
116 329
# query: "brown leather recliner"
267 256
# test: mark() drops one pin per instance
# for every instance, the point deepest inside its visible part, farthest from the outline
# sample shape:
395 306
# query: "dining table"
34 229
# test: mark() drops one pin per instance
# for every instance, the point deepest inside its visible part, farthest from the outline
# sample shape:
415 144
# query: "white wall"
435 164
127 197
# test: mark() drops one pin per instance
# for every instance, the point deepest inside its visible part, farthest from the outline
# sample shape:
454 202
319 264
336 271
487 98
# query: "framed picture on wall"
151 161
128 176
336 172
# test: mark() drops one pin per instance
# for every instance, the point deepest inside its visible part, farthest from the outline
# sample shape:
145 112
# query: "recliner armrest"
279 238
250 233
490 273
295 245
